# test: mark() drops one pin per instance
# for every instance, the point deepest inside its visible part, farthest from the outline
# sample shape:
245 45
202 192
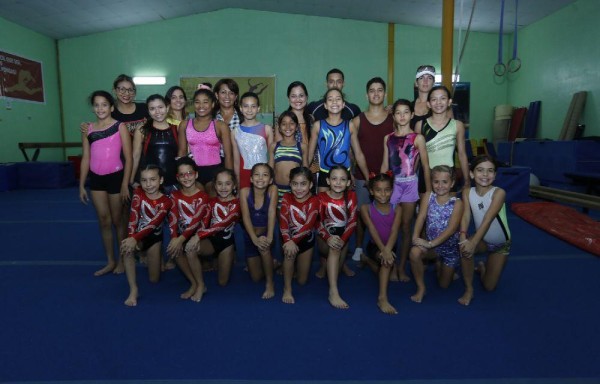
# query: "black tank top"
162 151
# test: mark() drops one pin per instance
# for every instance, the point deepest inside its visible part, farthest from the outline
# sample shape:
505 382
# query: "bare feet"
119 269
200 291
386 307
269 291
466 297
187 294
321 272
287 297
347 271
110 267
418 297
403 277
170 264
394 274
132 298
336 301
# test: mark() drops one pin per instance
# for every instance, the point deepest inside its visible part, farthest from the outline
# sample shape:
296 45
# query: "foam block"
515 181
8 176
37 174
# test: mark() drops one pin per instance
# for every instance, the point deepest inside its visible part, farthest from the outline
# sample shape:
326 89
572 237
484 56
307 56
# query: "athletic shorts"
502 249
250 250
207 173
362 192
307 243
337 231
110 183
406 190
151 239
220 244
372 252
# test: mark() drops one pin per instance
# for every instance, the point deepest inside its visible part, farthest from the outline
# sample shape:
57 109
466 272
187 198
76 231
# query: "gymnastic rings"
515 63
500 69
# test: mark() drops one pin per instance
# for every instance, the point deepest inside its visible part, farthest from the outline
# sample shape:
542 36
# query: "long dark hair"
168 97
308 118
149 122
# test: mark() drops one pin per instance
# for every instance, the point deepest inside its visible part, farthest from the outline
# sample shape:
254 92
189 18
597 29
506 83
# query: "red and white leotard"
338 216
146 214
297 220
187 213
222 218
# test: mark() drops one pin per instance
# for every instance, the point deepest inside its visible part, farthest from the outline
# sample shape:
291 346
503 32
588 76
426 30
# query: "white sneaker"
357 253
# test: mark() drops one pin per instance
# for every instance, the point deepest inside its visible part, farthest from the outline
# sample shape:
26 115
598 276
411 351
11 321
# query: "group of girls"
272 172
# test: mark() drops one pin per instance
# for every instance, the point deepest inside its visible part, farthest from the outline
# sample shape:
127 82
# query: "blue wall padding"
531 120
549 160
36 174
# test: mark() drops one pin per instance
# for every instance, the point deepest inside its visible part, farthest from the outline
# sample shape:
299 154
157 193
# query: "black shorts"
110 183
372 252
207 173
151 239
306 244
220 244
250 250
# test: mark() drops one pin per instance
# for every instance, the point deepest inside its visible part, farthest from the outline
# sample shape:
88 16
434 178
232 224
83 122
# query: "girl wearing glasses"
127 111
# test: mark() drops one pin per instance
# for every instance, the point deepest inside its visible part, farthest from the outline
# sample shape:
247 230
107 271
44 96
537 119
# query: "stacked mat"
503 114
573 115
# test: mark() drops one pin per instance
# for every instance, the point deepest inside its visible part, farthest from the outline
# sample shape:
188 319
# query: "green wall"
228 42
560 56
292 47
295 47
25 121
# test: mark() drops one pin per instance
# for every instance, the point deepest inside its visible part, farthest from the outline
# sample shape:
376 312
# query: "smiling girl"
205 136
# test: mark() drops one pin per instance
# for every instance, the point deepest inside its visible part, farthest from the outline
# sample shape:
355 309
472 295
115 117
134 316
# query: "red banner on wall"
21 78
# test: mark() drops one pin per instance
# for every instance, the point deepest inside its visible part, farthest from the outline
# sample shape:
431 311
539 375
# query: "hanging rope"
514 64
462 47
500 68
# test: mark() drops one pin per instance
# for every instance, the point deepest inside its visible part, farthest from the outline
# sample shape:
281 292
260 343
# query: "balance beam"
38 146
583 200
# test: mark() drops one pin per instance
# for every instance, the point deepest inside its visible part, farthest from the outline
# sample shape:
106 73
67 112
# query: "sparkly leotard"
438 218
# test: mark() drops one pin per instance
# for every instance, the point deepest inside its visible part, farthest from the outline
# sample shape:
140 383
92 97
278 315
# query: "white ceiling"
61 19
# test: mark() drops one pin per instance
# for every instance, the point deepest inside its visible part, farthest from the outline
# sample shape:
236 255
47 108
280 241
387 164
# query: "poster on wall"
21 78
263 86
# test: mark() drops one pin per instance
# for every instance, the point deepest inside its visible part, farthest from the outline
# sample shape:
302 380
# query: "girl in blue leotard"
258 204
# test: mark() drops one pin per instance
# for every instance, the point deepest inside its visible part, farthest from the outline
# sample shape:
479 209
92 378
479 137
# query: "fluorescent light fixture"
149 80
455 79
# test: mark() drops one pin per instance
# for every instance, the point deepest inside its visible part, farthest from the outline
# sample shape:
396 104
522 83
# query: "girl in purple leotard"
441 214
382 219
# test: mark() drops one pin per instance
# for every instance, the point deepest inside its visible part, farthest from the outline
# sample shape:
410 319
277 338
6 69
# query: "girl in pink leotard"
103 142
205 136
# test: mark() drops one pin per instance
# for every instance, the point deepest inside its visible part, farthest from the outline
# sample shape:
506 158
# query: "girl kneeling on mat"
149 207
486 204
440 213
